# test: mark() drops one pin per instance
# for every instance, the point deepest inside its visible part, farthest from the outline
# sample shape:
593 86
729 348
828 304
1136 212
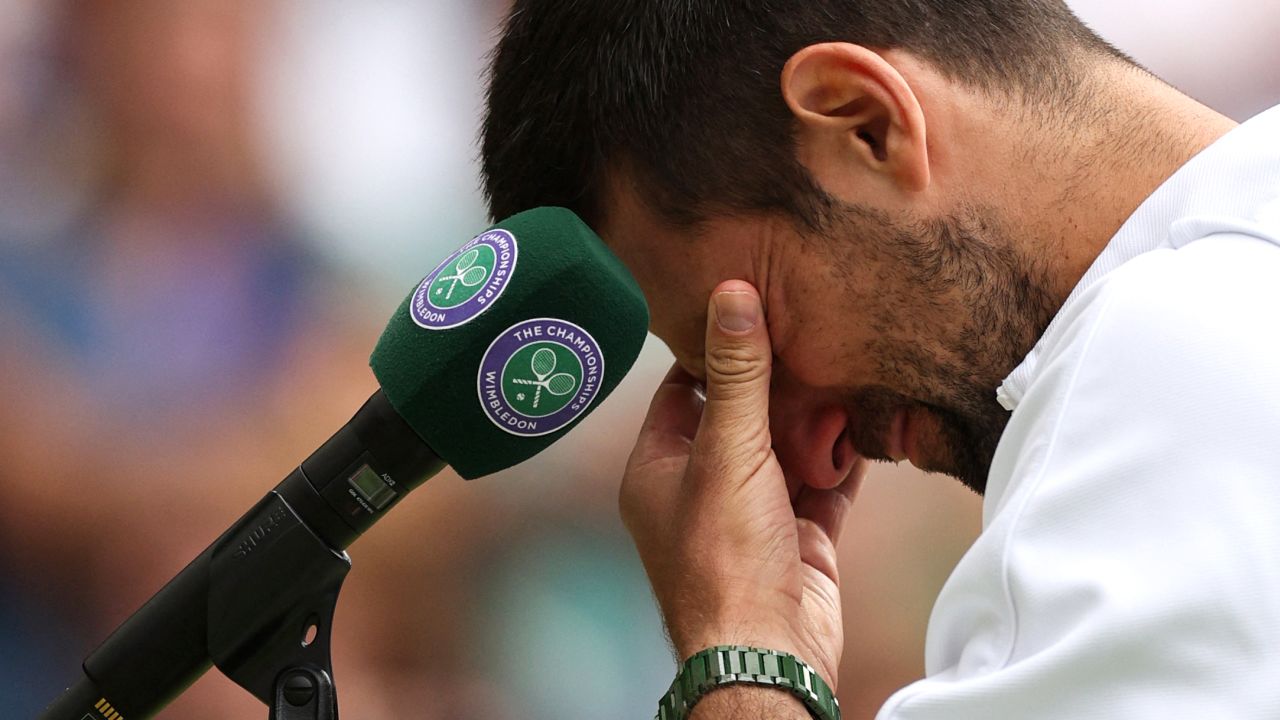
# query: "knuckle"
648 486
630 512
735 363
627 515
628 501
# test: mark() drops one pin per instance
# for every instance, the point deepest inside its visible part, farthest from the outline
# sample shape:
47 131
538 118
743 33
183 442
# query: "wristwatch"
736 665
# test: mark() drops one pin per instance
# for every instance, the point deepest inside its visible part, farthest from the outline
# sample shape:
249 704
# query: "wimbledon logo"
467 283
539 376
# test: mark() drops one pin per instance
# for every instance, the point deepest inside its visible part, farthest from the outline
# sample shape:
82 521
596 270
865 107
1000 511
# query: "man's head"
851 158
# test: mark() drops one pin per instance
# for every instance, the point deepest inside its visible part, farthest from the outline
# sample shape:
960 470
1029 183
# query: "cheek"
820 344
819 359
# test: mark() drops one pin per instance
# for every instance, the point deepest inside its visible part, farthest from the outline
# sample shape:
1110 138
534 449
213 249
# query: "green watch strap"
736 665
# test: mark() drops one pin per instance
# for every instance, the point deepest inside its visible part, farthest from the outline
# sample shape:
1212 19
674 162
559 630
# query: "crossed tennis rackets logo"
538 376
466 272
543 365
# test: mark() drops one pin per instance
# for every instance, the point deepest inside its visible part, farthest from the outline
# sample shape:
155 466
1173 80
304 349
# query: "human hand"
732 557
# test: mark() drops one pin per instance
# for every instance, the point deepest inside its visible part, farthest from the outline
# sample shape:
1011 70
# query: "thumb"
735 420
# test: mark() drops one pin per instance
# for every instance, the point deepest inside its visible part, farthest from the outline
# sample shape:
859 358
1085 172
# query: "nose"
810 435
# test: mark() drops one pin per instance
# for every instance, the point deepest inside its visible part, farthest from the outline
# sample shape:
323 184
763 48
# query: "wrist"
689 645
717 669
749 701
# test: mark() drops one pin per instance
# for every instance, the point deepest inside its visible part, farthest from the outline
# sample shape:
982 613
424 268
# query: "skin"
756 442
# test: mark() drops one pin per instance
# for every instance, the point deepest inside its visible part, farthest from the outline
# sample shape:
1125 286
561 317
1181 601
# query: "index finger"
676 408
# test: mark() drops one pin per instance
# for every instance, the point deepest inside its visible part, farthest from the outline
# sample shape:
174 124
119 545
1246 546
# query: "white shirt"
1129 565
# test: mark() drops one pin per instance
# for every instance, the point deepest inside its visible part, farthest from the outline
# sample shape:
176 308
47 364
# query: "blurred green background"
208 208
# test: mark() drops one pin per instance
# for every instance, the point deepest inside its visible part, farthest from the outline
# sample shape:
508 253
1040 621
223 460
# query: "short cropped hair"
684 94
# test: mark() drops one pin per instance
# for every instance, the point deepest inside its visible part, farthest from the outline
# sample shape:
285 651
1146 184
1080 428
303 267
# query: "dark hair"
684 94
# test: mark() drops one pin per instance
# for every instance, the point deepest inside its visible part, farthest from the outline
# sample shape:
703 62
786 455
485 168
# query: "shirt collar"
1226 188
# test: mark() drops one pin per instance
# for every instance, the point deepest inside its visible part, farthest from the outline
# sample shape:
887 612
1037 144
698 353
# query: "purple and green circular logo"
540 375
467 283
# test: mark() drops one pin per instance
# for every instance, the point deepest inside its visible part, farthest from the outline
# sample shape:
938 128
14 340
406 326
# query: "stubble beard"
960 306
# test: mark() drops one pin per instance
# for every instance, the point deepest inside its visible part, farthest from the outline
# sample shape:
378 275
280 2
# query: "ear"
858 120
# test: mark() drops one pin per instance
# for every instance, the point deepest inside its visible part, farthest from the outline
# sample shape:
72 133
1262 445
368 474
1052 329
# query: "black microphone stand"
259 602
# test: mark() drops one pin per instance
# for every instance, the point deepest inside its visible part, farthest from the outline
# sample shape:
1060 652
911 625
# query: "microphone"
500 351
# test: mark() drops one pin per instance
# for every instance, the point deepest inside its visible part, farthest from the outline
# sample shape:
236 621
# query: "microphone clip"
273 589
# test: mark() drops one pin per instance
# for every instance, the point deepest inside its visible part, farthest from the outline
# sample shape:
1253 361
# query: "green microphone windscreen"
511 340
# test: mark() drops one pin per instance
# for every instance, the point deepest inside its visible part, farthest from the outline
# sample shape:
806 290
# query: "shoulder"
1208 306
1212 275
1174 340
1169 365
1138 515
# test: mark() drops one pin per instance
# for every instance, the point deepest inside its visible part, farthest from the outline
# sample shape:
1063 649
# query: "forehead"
679 267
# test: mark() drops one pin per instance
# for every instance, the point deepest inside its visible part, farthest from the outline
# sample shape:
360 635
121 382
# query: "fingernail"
737 312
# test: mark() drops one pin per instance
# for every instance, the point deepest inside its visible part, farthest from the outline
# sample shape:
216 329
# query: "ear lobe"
855 110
